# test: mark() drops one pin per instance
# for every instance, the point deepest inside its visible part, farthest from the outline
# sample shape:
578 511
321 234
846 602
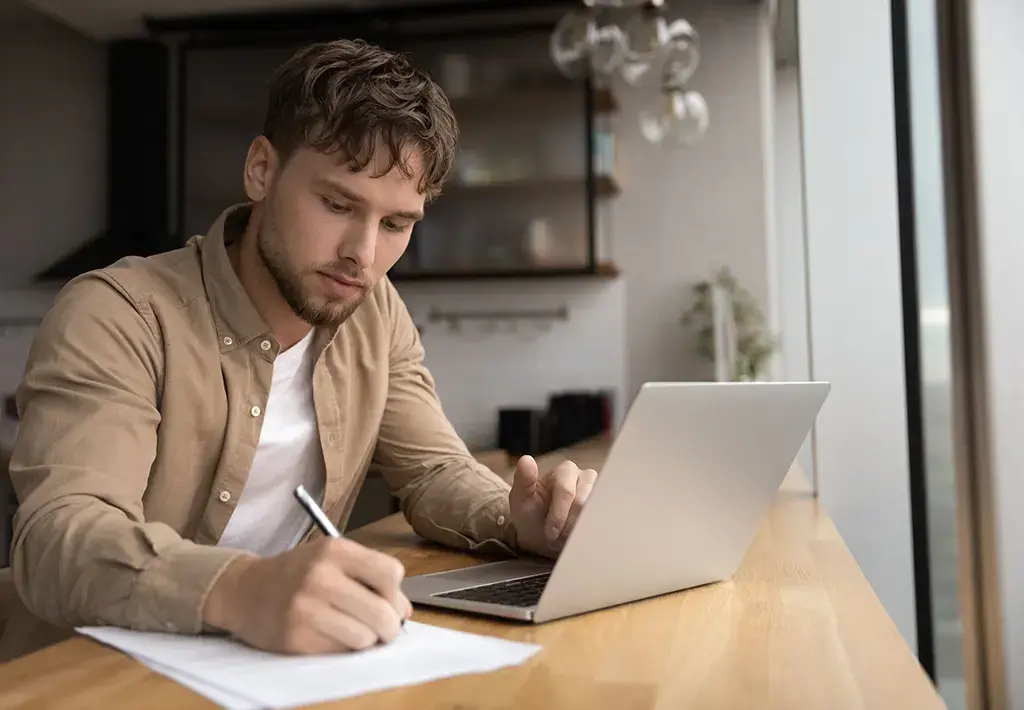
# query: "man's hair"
356 98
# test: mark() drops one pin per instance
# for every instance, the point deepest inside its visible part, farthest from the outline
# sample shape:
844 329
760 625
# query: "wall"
53 171
684 214
53 113
791 278
520 364
853 263
996 55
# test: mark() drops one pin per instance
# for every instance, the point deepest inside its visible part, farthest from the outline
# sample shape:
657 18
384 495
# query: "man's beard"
289 283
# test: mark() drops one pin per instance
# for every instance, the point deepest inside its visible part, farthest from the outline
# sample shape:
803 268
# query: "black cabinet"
522 199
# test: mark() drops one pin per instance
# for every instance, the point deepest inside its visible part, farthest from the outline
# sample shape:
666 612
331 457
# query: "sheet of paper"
213 693
241 678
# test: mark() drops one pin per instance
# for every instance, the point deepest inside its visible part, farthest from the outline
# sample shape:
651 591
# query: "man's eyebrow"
348 194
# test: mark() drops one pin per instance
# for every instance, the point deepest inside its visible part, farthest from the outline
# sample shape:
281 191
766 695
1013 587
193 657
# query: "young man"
172 404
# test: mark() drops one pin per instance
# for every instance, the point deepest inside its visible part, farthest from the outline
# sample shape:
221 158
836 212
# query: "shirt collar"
237 320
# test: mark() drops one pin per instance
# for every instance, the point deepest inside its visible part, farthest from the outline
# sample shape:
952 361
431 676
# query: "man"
171 405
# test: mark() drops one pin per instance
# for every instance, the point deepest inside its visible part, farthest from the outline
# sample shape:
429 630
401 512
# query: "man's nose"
360 243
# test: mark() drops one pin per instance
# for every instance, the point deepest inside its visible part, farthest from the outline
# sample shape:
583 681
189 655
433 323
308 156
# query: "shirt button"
255 411
501 520
224 496
265 345
227 340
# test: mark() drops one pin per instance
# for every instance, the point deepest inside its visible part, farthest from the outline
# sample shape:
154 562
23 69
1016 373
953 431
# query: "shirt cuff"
491 524
169 594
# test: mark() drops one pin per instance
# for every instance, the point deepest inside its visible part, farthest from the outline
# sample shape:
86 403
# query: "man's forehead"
407 164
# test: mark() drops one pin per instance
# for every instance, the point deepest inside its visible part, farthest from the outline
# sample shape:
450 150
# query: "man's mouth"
344 281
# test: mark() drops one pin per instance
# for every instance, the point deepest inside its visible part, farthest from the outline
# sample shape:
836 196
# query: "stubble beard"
325 315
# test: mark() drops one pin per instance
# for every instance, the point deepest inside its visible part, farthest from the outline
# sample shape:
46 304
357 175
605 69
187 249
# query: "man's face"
327 235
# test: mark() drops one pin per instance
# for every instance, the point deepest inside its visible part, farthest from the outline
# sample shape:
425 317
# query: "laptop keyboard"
522 592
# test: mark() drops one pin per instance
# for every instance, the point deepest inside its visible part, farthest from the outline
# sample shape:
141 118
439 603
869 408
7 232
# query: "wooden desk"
798 627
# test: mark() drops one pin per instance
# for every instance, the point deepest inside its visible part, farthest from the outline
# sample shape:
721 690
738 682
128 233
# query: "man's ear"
261 168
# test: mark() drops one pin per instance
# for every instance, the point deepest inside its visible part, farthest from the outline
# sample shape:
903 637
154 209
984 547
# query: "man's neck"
286 327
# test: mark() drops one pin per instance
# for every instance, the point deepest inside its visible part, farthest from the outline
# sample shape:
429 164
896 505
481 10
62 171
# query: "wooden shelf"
249 118
604 185
603 270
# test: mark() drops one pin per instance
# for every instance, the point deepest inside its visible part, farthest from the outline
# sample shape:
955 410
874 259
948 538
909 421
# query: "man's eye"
334 206
393 226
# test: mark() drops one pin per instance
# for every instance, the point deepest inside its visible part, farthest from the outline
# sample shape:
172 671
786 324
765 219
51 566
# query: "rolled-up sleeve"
446 495
83 552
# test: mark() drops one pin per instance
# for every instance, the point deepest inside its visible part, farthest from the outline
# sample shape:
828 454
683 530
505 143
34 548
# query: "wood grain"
798 627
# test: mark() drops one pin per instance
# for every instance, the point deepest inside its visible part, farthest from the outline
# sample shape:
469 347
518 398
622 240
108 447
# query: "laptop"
688 479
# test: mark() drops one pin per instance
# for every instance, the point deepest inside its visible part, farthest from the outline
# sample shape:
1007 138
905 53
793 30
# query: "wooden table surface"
798 627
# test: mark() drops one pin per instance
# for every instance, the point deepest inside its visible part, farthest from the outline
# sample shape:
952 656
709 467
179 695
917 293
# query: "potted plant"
754 344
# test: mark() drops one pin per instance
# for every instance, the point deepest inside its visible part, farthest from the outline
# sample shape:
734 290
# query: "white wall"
794 357
683 215
997 55
853 262
477 371
53 178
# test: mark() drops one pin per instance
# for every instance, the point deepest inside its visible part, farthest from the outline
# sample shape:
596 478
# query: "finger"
378 571
317 627
369 608
335 631
563 492
584 486
527 473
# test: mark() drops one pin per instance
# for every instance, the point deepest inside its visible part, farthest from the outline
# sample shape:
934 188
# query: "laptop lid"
688 480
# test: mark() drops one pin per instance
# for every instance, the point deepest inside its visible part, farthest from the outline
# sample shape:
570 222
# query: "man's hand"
545 508
326 596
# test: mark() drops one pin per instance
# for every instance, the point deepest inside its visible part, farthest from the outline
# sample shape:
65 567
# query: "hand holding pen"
326 596
322 521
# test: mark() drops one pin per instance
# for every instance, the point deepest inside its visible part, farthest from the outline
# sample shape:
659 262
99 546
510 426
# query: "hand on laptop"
545 507
327 596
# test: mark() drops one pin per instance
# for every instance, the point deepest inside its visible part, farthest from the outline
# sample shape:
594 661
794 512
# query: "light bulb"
668 49
579 43
607 49
644 32
676 117
681 52
570 43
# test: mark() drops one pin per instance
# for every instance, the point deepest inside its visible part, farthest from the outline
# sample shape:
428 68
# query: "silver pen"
320 518
316 512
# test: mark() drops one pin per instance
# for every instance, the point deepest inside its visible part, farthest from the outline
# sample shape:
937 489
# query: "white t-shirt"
268 520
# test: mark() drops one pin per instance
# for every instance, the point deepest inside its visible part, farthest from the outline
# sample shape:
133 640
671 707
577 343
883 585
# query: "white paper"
224 698
238 677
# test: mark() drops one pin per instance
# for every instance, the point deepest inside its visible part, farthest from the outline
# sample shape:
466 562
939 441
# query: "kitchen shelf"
248 117
603 270
604 186
531 170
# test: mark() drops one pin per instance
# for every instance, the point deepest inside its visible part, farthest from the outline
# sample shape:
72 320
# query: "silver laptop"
689 478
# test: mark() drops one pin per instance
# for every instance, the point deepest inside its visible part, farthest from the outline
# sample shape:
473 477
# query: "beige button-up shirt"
141 409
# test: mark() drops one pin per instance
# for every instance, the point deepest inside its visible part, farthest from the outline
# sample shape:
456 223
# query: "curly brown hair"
354 97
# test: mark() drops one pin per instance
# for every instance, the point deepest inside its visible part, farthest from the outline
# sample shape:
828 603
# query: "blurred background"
828 183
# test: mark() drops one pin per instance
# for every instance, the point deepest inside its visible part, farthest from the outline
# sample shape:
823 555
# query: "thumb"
526 473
